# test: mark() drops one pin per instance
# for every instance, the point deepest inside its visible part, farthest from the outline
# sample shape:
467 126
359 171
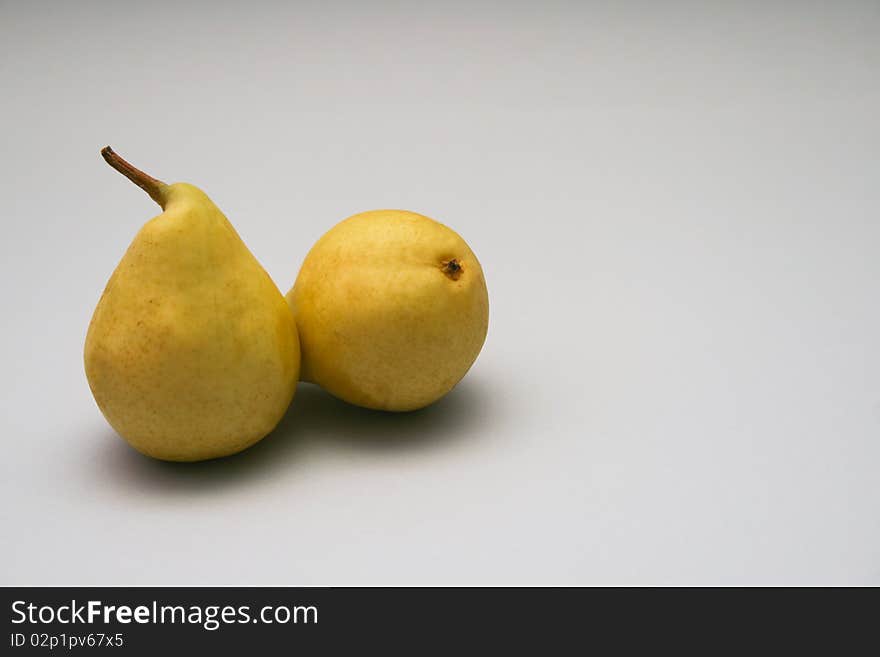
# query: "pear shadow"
316 421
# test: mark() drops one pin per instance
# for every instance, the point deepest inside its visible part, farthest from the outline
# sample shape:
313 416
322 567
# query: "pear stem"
155 188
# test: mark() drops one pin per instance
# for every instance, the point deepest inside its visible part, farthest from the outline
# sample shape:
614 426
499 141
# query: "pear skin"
192 352
392 310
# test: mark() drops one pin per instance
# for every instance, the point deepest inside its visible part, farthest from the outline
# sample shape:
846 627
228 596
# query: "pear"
192 352
391 308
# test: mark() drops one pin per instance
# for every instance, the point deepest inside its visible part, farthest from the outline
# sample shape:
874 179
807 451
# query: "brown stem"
155 188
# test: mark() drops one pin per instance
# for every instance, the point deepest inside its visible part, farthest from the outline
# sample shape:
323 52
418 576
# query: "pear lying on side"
192 352
391 309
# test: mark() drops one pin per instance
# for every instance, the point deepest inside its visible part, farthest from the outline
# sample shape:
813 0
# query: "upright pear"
192 352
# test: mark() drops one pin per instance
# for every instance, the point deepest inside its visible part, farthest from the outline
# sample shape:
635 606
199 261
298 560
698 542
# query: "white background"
676 207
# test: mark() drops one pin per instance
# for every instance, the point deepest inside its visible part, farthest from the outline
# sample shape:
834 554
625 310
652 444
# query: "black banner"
137 620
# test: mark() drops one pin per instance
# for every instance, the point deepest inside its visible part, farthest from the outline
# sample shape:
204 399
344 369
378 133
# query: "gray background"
677 210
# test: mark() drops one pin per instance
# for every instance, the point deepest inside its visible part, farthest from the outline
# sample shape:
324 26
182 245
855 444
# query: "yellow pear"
192 352
391 309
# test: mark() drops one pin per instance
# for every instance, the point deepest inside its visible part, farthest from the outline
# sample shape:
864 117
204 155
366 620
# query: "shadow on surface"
315 420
